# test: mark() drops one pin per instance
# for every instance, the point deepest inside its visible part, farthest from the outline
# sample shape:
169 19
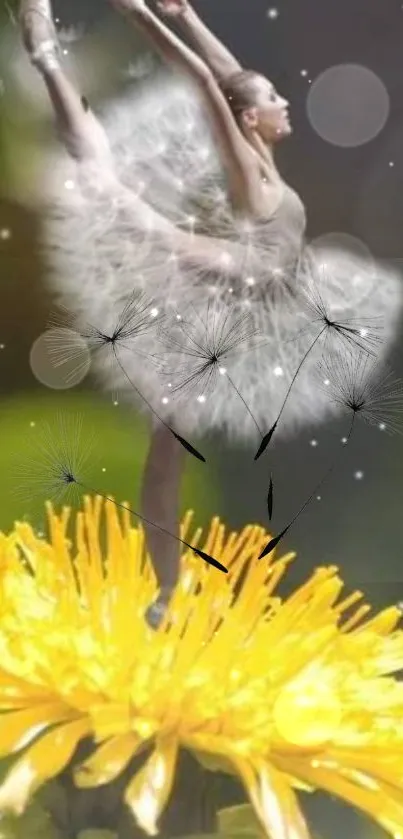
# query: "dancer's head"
257 106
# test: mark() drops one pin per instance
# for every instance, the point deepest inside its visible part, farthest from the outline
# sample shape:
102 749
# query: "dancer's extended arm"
215 54
240 162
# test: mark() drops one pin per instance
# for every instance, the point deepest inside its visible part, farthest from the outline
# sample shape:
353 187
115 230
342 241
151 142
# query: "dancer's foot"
39 34
155 613
128 6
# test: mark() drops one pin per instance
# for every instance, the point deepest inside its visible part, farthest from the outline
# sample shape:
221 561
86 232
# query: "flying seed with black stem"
201 346
138 318
363 388
58 473
351 332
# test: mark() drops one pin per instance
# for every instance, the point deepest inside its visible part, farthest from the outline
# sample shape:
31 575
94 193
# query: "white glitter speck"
359 475
69 184
201 399
5 233
154 313
382 426
165 400
278 371
272 14
314 443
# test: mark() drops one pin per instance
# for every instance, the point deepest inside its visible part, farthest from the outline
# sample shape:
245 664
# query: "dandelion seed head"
364 387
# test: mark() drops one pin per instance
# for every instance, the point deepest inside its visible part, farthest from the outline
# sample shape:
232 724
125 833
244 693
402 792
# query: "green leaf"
239 819
35 823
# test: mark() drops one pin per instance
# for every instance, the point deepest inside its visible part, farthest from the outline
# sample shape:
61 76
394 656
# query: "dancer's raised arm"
244 177
221 62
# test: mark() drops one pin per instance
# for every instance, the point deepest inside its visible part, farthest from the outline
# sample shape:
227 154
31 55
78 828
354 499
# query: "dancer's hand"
173 8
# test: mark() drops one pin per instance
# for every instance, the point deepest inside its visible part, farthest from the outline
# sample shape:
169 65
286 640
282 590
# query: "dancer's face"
269 114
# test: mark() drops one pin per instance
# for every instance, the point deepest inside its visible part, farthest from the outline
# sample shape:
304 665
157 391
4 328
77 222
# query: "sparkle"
319 498
382 426
250 281
201 399
165 400
344 440
304 72
2 346
5 233
391 163
326 382
154 313
178 317
223 371
65 52
69 184
116 403
226 258
103 469
363 333
278 371
359 475
314 443
272 14
32 424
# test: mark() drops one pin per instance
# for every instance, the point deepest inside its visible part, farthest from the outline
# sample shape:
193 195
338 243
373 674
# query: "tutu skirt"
163 152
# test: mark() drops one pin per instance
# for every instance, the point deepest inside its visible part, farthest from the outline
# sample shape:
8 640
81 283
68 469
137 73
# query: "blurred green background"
357 525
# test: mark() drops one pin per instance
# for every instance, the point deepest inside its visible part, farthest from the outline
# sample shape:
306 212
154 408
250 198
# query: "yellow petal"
108 761
148 792
42 761
274 801
384 805
307 713
18 728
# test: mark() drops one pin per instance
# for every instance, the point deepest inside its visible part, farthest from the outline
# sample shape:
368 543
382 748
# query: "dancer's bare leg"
86 140
80 131
160 503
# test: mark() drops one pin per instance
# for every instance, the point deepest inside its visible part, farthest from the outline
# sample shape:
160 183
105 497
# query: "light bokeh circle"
60 358
348 262
348 105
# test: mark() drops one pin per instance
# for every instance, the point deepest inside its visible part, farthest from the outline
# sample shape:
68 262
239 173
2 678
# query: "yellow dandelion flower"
286 694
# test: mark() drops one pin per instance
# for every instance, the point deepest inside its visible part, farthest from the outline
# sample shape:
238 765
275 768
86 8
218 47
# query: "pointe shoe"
155 613
39 34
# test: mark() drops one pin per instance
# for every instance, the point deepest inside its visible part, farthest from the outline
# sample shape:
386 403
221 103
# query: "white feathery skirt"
97 258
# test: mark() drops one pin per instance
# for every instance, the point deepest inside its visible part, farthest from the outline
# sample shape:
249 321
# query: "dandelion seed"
59 471
138 318
352 334
364 388
194 352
